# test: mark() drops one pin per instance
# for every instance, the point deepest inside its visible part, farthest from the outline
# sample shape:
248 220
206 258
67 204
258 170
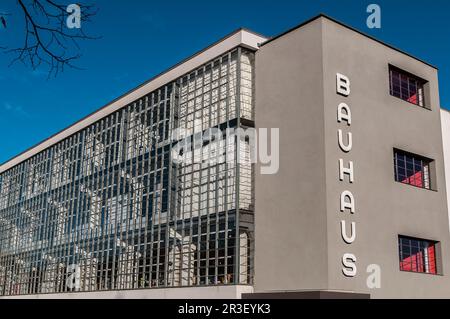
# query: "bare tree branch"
3 20
48 40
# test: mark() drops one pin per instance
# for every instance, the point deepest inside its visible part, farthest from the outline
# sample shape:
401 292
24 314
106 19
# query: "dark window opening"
407 86
413 169
418 255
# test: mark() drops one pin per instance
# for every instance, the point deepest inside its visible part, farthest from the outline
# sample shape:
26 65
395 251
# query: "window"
413 169
418 255
407 86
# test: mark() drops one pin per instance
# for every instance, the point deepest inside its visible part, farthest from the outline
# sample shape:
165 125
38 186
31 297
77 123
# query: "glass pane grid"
417 255
412 169
406 87
110 209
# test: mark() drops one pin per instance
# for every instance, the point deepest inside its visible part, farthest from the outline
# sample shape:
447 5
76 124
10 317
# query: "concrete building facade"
358 206
294 78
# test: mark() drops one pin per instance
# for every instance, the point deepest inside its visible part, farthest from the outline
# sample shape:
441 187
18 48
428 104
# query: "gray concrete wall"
290 243
298 235
384 208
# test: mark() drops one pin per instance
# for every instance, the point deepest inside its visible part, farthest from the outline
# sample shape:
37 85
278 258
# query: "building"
445 120
392 138
356 206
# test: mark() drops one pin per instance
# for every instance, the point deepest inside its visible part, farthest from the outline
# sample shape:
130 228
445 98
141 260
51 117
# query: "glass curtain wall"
109 208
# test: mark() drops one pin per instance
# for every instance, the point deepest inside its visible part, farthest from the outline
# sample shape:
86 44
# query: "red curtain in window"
415 180
415 263
432 260
413 99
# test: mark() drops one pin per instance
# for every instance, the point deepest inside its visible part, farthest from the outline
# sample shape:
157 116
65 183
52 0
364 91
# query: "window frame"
418 80
430 163
431 243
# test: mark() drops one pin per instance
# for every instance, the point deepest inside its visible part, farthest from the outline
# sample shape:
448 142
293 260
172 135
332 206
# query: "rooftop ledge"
241 37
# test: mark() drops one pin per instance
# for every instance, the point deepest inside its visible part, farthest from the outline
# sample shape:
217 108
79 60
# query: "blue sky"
141 38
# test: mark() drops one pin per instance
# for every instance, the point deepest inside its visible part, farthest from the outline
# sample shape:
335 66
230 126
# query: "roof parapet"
240 37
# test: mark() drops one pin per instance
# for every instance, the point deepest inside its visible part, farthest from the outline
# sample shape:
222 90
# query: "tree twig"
51 43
